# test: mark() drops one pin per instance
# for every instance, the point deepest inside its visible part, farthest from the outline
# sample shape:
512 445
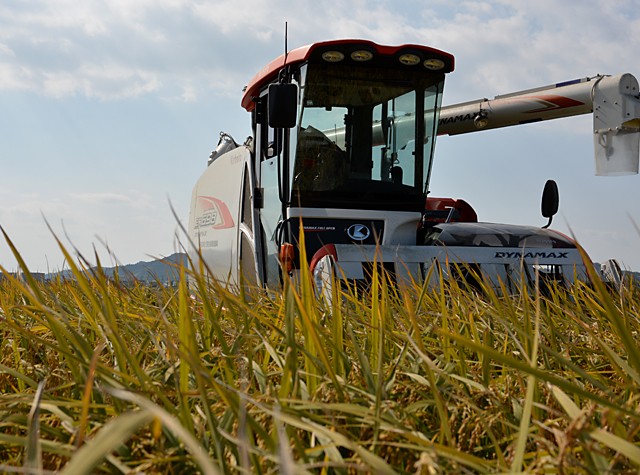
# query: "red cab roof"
299 55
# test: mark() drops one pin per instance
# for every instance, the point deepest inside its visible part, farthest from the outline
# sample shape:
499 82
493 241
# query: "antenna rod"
286 52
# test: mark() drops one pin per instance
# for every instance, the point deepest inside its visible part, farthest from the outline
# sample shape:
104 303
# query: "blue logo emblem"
358 232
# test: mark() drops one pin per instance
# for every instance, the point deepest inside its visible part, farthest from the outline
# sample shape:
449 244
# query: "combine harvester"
343 142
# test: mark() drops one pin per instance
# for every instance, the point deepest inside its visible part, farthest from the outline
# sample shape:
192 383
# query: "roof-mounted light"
434 64
409 59
332 56
361 55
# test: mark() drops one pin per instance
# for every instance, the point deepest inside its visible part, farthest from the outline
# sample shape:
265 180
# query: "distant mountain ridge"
165 270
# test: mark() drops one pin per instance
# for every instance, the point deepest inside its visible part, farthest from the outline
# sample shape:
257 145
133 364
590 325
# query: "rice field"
101 377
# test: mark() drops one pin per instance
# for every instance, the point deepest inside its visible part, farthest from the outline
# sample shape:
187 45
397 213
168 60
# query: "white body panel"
497 264
214 217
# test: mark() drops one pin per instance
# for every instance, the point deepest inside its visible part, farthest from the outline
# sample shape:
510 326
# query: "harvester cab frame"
350 146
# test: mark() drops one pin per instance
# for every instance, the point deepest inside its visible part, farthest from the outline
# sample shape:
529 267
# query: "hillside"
164 270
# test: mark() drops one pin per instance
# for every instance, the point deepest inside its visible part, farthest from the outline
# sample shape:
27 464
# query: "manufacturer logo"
358 232
213 213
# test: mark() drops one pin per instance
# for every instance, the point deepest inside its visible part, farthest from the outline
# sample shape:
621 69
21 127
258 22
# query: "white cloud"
107 81
126 49
60 84
6 51
189 93
14 77
102 198
173 46
508 45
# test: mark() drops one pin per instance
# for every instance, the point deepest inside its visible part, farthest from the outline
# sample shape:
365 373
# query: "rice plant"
101 377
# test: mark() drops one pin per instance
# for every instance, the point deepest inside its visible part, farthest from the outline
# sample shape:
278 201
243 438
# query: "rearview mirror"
550 200
283 105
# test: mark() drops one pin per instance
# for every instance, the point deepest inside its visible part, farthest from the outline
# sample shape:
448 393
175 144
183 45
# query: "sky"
109 110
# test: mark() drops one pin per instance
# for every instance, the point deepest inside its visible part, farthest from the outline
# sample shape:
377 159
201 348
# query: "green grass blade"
615 443
108 439
152 410
525 420
18 375
33 457
545 376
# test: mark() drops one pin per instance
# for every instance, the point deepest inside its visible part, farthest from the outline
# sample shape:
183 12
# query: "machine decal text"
531 255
